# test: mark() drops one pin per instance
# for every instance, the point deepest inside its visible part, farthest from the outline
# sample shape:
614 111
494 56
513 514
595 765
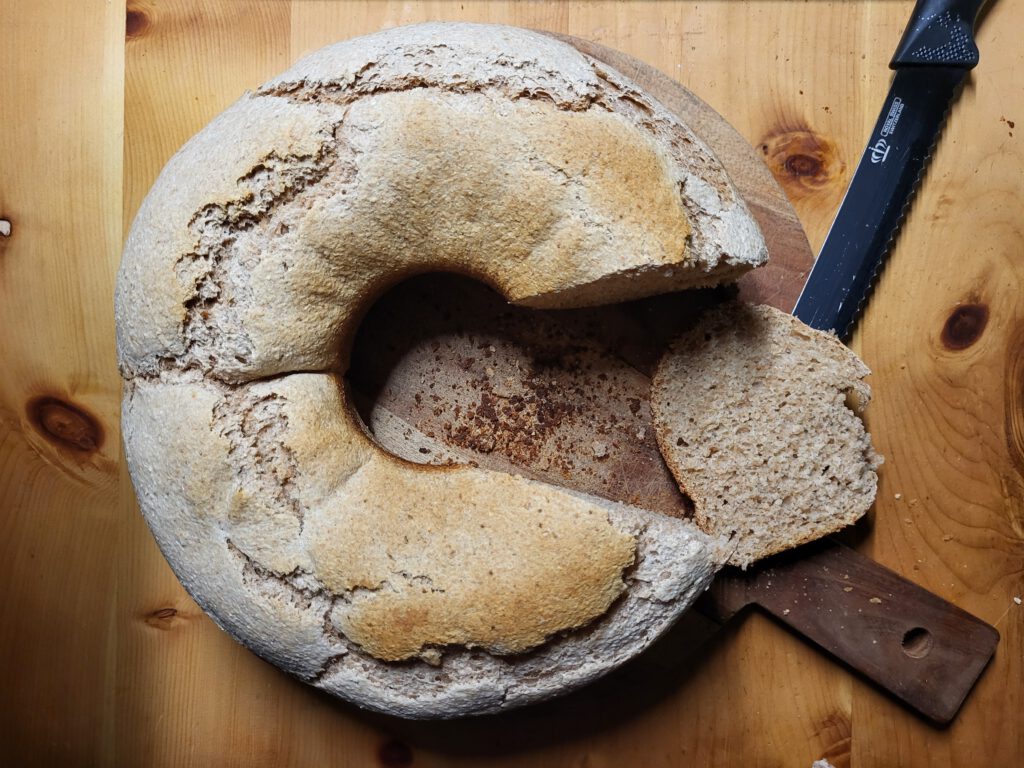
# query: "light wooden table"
106 661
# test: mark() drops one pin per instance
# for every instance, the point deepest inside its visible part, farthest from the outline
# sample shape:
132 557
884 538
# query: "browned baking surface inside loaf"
445 371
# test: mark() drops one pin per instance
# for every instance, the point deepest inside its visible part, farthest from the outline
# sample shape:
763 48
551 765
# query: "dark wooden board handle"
922 649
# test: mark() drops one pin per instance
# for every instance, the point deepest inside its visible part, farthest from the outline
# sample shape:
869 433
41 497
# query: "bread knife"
920 648
934 57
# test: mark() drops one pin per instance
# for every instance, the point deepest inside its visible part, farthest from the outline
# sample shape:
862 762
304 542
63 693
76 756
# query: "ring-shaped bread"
485 150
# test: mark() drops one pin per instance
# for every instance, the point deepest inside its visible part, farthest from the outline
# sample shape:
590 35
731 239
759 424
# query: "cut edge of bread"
758 418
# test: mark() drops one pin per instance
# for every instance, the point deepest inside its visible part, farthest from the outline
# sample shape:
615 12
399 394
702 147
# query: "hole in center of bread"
445 371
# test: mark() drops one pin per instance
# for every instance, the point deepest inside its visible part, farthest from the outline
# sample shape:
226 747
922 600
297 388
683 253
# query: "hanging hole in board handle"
917 642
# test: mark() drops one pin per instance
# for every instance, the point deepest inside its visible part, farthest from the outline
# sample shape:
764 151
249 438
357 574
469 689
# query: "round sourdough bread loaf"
492 151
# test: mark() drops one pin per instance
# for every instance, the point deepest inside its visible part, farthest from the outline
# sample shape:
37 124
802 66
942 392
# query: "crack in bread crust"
215 268
301 587
432 67
255 427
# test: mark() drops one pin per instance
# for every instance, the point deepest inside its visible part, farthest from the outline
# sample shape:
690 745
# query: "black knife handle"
940 33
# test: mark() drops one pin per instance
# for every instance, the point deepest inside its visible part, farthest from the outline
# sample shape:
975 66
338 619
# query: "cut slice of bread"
752 416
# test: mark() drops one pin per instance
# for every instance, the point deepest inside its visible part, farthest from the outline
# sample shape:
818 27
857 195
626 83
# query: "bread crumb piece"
875 600
5 228
785 612
600 449
947 537
1016 600
432 656
641 433
899 496
847 589
822 764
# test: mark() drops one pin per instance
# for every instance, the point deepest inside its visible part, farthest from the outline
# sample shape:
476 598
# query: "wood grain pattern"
60 188
107 662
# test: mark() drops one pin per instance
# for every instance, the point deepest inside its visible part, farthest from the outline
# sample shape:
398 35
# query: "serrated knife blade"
934 57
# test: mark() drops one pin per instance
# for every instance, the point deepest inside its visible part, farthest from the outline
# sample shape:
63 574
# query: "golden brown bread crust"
485 150
483 578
